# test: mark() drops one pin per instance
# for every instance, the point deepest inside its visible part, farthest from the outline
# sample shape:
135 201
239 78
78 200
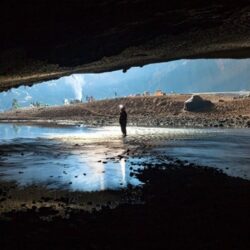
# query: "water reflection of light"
101 177
123 170
89 135
87 174
77 160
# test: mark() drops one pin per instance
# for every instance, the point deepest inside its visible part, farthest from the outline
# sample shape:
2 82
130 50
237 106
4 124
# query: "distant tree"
38 104
15 104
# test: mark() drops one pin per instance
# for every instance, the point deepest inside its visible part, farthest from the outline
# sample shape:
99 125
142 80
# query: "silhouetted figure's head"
122 107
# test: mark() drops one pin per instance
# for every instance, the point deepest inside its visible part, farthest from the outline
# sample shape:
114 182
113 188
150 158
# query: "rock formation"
197 103
45 40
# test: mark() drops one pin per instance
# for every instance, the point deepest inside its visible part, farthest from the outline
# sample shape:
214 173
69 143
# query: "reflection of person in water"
123 120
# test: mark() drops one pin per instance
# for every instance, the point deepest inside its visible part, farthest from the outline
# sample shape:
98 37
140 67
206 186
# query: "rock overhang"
46 40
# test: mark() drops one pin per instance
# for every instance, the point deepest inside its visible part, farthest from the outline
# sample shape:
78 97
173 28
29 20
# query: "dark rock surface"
49 39
197 103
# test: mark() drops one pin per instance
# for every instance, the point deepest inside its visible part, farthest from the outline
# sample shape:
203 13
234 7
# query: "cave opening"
124 124
62 152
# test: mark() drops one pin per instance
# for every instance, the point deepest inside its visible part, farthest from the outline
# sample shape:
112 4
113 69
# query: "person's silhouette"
123 120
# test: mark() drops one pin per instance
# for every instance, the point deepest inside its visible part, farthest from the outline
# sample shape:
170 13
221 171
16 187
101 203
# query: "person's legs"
124 130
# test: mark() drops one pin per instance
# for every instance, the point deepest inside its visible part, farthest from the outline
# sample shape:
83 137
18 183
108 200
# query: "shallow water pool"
75 157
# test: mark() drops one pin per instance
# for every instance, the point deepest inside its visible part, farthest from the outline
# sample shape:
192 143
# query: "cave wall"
43 40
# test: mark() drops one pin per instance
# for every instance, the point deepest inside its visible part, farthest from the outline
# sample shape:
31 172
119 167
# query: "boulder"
196 103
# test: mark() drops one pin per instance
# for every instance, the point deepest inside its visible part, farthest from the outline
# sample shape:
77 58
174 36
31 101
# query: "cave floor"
140 196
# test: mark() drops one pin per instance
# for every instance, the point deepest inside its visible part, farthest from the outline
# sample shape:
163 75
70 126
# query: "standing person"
123 120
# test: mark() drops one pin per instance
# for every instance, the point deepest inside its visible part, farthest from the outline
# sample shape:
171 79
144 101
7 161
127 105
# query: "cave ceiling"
43 40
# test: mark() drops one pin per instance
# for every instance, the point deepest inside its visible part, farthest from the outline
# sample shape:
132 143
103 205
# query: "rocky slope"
165 111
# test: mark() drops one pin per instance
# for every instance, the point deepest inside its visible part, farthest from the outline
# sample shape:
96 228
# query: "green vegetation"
15 104
38 104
